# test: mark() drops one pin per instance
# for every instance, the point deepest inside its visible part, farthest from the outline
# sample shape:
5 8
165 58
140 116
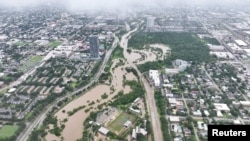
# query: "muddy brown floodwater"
74 126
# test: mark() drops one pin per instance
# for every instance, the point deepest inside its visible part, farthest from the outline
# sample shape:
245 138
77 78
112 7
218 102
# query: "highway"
150 100
151 106
24 76
39 119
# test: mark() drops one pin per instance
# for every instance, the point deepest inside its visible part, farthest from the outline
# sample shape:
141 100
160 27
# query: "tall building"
94 47
150 22
109 34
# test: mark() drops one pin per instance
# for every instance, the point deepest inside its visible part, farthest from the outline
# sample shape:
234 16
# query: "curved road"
149 95
151 105
39 120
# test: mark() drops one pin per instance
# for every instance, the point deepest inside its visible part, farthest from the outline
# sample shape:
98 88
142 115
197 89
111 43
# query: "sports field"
55 44
117 124
31 62
7 131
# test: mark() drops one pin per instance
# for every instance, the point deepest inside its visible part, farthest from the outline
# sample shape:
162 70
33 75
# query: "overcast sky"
114 3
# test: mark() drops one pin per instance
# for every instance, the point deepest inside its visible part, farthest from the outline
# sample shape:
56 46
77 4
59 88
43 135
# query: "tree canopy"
184 46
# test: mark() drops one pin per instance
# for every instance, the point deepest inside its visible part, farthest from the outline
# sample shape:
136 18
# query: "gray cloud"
18 3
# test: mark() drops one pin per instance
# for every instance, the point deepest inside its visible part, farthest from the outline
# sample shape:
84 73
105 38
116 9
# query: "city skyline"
112 4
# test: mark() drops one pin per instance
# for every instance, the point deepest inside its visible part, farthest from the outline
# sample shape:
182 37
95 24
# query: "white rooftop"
171 71
12 90
1 74
215 47
245 103
128 123
237 122
206 112
172 100
248 32
225 55
202 126
154 74
174 119
221 107
219 114
234 46
7 94
103 130
197 113
240 43
3 37
143 131
247 50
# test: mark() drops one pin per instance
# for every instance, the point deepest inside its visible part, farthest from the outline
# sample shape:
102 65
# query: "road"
150 100
127 27
215 118
234 32
39 119
217 87
188 111
24 76
239 36
215 84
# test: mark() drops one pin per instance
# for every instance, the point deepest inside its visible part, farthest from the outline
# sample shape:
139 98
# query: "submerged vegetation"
185 46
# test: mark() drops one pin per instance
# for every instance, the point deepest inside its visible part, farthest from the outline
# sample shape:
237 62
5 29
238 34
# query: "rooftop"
240 43
12 90
245 103
174 119
221 107
103 130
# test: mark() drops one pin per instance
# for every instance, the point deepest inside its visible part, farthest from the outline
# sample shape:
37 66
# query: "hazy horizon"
97 4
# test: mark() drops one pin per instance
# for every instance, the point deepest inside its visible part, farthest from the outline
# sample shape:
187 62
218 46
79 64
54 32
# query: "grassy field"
73 84
3 91
36 58
55 44
30 63
247 61
117 124
7 131
21 43
118 53
28 115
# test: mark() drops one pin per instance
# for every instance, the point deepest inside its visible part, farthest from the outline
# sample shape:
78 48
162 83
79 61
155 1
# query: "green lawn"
247 61
118 52
7 131
30 63
73 84
117 124
55 44
4 90
28 115
225 115
21 43
36 58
